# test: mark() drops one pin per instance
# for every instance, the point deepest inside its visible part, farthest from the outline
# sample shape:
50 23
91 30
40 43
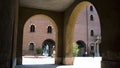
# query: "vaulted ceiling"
53 5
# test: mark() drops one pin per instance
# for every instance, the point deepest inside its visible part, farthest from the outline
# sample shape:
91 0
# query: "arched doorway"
83 24
50 44
82 48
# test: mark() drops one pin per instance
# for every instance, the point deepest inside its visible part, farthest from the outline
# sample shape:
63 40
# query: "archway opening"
39 40
79 27
81 48
48 47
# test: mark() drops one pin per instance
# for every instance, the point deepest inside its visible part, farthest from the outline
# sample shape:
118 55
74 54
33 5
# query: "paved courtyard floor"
48 62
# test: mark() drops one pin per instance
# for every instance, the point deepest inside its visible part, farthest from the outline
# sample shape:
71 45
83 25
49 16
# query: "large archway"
83 24
36 29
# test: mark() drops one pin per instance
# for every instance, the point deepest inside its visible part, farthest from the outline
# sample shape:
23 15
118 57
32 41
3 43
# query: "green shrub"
39 50
91 53
75 49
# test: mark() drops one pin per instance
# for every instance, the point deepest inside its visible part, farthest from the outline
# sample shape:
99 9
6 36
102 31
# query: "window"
91 8
31 46
32 28
91 17
49 29
92 33
92 47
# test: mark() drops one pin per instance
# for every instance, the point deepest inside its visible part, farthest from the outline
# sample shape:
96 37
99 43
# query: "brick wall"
84 25
41 24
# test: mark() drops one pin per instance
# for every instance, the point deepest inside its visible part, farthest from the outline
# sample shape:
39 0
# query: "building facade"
13 16
39 28
87 28
39 31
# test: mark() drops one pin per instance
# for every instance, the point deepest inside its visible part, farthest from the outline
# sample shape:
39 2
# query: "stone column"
60 47
68 46
98 53
95 50
7 20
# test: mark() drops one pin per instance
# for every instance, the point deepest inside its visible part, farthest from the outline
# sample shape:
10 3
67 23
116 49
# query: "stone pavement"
48 62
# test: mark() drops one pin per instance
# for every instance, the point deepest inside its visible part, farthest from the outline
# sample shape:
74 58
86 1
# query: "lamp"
98 39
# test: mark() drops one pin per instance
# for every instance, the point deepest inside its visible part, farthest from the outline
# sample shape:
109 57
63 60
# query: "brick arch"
44 16
36 21
80 43
51 41
70 27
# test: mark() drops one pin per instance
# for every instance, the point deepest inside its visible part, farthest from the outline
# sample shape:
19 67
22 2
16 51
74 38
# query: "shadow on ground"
37 66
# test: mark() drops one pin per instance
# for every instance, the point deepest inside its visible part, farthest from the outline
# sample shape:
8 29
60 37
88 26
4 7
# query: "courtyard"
48 62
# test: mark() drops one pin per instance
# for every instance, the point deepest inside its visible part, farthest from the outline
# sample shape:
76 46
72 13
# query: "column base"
110 64
58 60
19 61
68 60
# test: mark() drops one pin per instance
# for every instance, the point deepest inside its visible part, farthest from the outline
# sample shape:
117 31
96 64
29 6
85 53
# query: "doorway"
49 46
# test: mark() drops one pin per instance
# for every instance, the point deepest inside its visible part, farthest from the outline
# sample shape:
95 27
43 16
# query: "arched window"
31 46
92 33
92 46
32 28
91 17
91 8
49 29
